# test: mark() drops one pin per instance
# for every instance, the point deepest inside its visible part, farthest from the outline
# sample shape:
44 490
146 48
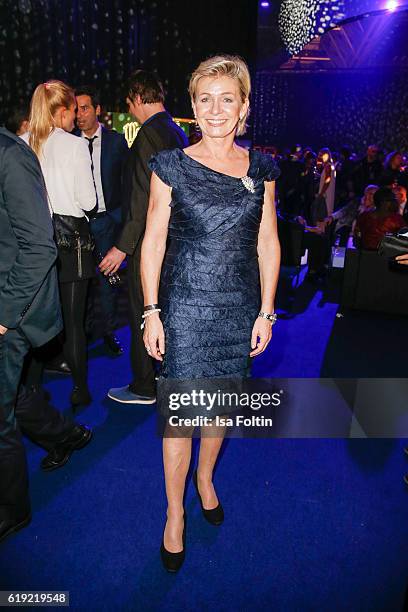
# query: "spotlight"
265 4
391 5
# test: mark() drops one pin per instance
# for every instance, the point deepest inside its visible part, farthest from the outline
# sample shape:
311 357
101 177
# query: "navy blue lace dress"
209 289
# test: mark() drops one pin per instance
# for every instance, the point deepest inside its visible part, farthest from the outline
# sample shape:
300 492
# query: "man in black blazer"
108 151
29 316
158 131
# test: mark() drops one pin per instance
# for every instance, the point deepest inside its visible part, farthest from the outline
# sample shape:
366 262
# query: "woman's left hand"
261 336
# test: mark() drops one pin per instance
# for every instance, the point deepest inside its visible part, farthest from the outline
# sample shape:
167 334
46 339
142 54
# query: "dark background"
353 108
102 41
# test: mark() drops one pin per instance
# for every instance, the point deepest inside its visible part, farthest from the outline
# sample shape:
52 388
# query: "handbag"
72 235
392 245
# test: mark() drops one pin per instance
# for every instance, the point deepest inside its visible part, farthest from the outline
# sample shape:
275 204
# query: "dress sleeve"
271 169
164 165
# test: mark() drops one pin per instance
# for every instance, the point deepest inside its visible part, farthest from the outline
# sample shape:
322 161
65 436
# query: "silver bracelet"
150 307
272 317
147 314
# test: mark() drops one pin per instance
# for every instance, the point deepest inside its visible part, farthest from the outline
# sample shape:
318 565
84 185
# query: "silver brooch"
248 183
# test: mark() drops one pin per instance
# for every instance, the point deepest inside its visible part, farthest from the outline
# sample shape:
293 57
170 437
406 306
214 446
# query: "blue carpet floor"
313 525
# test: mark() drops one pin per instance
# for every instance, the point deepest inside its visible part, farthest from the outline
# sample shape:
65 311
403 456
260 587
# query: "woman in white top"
66 165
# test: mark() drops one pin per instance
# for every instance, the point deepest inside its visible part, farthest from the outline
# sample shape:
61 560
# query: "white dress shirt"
67 172
96 158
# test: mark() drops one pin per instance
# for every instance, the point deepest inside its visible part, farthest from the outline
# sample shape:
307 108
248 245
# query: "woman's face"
218 106
68 118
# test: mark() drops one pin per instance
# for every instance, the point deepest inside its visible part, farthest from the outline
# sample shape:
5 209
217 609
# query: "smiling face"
218 106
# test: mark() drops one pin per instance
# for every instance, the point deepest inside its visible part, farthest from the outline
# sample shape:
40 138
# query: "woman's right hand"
153 336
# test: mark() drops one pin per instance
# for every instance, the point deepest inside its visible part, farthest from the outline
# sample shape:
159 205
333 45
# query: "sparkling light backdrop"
102 41
301 20
332 110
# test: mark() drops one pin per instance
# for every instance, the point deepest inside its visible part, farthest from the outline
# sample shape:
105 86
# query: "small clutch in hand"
393 245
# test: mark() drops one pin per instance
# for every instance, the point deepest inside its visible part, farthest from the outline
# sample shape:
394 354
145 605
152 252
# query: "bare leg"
176 459
210 445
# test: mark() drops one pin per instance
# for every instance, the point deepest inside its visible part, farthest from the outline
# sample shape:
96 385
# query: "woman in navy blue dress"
209 298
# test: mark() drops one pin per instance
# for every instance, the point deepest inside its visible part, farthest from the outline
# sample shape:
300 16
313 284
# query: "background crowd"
339 195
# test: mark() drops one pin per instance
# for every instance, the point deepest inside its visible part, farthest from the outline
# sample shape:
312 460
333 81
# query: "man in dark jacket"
29 317
108 151
158 131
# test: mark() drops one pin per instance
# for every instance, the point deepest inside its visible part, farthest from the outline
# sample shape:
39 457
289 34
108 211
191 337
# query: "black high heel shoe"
173 561
215 516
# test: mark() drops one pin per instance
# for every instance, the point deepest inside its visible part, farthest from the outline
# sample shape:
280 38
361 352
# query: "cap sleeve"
270 168
164 165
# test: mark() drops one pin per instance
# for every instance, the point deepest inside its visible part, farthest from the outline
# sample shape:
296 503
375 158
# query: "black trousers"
30 413
104 230
142 365
73 303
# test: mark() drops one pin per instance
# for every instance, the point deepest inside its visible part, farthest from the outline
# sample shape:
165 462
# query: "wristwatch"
272 317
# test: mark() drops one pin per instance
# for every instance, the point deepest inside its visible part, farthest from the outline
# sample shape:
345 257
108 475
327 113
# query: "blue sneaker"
125 396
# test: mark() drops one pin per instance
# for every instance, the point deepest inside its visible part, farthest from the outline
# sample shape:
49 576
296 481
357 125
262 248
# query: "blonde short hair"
232 66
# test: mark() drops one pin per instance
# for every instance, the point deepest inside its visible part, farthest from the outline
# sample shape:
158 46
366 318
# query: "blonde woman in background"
215 202
66 166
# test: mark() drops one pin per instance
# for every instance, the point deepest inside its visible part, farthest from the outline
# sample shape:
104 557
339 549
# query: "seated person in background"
346 217
373 225
367 201
400 193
